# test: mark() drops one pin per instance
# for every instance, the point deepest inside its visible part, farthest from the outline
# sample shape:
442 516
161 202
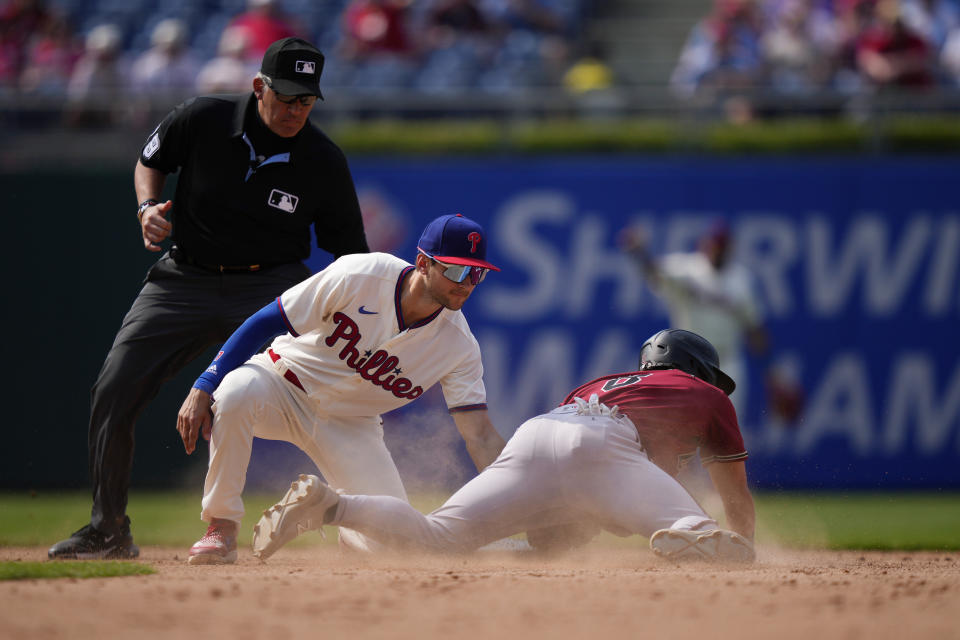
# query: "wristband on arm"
149 202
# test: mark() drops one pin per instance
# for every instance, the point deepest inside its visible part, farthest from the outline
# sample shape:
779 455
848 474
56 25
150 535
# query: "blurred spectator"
265 23
853 19
20 20
590 72
723 58
167 67
950 57
795 64
889 54
528 15
379 48
548 29
230 71
746 47
449 19
821 27
723 51
99 79
591 80
932 20
375 28
459 22
460 41
50 57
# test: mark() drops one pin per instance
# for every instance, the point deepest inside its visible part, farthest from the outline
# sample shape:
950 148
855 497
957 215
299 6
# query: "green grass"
169 519
903 520
74 569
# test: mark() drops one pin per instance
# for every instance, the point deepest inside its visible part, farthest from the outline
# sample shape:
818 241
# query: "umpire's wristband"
149 202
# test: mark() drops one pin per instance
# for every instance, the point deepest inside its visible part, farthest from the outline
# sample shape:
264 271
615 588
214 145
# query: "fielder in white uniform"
709 294
366 335
607 462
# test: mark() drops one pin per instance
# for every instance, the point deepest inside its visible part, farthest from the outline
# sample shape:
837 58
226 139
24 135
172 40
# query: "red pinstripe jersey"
675 414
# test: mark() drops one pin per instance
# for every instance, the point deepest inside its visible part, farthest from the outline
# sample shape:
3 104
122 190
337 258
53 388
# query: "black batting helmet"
687 351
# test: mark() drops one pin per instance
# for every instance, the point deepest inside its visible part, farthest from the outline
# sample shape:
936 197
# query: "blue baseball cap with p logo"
454 239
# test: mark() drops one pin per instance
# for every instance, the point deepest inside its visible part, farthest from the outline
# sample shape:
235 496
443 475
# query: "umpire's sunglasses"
305 100
460 272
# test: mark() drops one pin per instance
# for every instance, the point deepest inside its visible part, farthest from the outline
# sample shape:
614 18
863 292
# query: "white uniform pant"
558 468
254 400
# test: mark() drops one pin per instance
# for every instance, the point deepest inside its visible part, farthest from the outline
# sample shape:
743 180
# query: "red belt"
289 375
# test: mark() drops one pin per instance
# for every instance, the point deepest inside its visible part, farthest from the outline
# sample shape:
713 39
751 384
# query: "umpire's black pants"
181 311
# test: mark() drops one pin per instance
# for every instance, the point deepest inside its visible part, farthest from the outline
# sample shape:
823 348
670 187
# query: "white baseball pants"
254 400
558 468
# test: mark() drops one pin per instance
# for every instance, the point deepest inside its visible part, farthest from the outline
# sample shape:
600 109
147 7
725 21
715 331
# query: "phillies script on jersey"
379 367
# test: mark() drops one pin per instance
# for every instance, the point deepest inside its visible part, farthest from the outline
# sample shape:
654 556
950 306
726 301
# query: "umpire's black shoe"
92 544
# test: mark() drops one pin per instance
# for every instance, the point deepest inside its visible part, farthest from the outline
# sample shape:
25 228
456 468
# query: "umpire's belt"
180 256
281 367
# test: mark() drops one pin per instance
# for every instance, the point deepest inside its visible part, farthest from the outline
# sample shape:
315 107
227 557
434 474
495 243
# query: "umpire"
255 175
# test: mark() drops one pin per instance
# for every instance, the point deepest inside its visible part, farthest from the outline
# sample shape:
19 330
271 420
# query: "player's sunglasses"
305 100
460 272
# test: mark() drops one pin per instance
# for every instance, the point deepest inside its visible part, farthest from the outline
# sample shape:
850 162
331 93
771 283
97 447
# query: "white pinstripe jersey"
353 354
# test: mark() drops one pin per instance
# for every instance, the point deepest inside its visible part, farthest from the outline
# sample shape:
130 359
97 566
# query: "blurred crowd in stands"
797 48
101 50
81 52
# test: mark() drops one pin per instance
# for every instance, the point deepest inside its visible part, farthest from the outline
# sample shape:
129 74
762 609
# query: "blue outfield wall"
856 263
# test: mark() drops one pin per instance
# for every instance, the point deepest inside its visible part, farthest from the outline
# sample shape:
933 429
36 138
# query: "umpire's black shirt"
248 196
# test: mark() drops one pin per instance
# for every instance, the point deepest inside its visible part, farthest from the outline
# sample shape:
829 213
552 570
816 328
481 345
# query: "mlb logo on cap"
294 67
454 239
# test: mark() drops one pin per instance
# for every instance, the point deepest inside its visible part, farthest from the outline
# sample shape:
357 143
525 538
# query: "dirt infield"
615 593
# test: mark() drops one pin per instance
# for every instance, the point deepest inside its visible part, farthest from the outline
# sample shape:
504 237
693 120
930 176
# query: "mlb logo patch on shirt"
283 200
306 66
152 145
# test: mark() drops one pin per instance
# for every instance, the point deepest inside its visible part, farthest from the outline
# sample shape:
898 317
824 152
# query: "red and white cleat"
217 546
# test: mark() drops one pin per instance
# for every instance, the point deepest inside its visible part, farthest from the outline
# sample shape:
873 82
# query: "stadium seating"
518 63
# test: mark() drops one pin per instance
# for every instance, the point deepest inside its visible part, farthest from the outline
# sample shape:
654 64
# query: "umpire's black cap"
294 67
